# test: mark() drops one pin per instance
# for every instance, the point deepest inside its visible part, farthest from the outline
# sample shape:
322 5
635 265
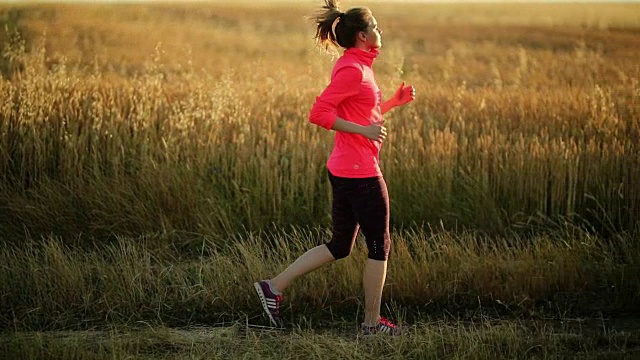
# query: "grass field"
156 159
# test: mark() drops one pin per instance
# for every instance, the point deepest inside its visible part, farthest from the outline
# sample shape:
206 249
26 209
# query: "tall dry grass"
49 285
155 160
199 126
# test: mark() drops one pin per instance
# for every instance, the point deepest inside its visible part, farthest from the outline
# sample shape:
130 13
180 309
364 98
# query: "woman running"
352 106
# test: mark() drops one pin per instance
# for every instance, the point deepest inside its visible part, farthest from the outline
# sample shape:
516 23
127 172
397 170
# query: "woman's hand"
375 132
404 94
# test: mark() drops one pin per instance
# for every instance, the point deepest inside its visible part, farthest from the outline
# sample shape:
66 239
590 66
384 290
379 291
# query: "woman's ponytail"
337 29
326 23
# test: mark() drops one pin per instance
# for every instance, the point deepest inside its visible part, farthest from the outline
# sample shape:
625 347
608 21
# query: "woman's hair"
335 28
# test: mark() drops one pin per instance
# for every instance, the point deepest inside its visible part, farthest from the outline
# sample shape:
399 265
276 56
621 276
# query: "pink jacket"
352 95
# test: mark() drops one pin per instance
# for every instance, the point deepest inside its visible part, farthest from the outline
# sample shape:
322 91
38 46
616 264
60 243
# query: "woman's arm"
404 95
387 105
344 84
374 132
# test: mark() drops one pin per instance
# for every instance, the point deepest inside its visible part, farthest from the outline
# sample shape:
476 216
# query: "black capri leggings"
360 203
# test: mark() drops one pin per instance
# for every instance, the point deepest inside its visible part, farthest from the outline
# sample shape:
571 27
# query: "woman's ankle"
273 287
371 319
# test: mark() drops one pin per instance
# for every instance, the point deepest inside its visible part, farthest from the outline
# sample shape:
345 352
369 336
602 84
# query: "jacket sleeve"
345 83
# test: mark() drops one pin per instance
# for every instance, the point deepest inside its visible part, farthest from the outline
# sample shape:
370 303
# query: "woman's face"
373 35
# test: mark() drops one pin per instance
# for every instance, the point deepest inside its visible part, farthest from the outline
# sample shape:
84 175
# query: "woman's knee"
379 255
339 252
379 248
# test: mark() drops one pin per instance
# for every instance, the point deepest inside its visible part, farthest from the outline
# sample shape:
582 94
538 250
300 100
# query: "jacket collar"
366 57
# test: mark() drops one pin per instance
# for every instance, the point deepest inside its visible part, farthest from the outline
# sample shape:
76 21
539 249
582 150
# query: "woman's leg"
372 212
373 279
308 262
344 232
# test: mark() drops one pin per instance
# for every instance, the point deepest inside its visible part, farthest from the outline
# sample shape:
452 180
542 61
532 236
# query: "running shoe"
270 302
384 326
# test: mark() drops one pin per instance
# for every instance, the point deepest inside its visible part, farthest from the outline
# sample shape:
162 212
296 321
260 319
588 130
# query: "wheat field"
156 159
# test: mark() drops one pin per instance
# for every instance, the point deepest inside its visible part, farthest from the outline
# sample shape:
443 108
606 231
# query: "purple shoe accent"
270 302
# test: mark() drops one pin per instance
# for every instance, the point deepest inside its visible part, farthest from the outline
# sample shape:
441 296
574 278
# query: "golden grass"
155 160
134 119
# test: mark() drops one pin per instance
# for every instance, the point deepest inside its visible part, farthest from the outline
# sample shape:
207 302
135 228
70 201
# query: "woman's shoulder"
348 71
346 61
